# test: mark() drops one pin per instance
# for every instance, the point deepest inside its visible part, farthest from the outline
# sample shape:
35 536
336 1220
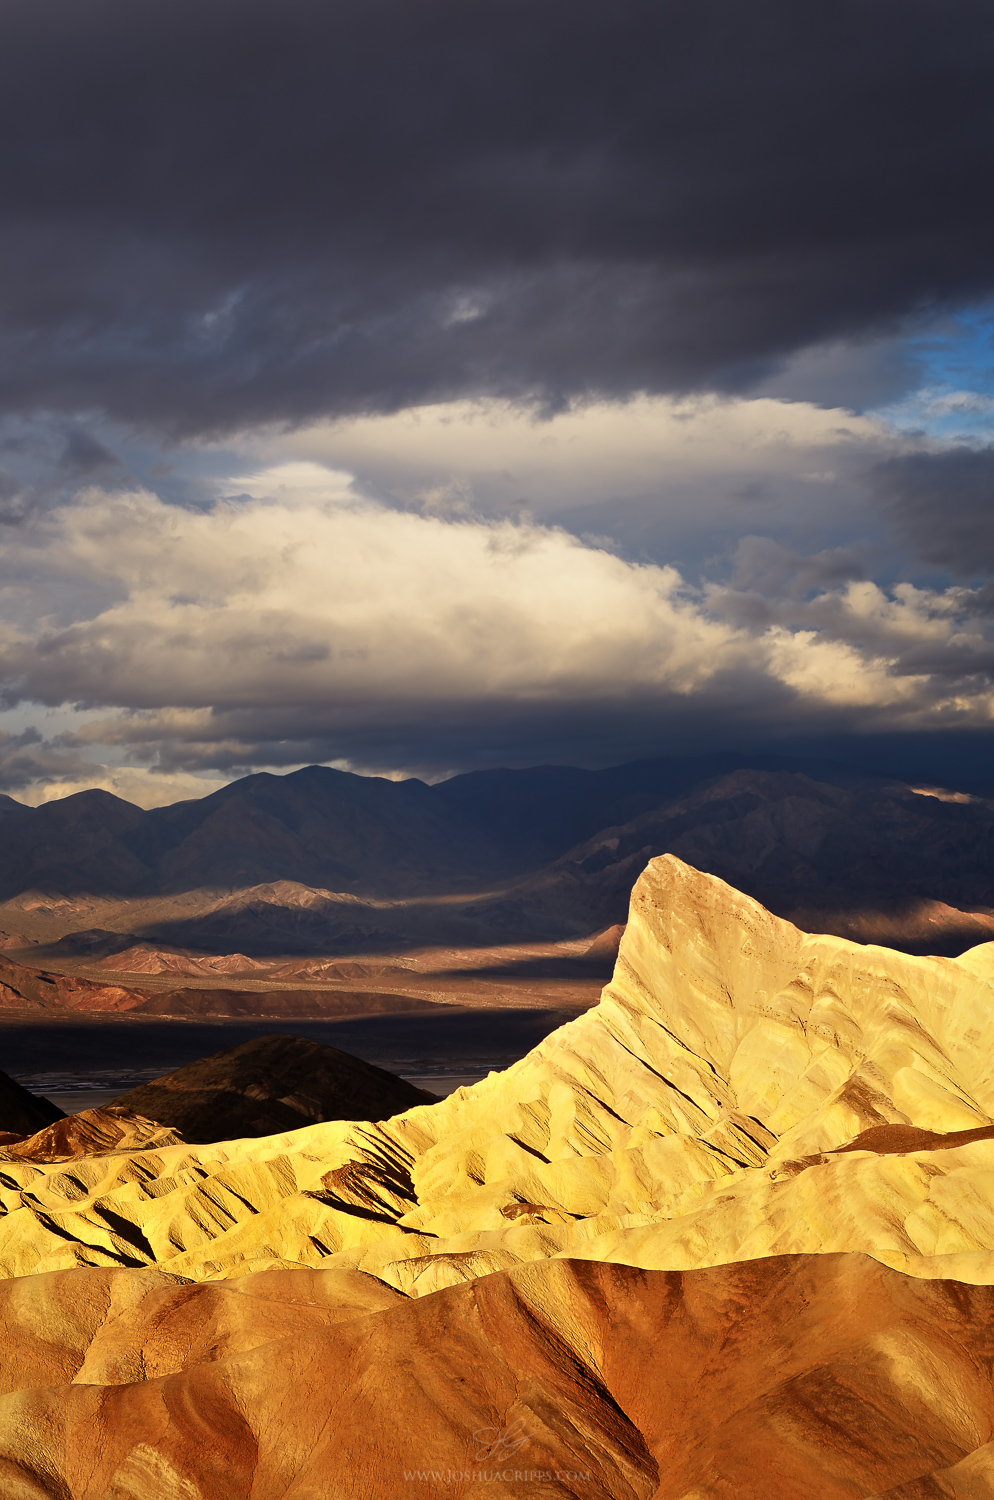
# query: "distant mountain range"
330 830
325 861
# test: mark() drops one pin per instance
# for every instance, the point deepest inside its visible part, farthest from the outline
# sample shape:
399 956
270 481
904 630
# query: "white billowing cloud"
306 621
919 637
311 594
594 448
834 673
657 470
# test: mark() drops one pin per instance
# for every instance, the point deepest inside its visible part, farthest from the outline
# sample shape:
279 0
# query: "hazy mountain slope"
873 860
73 844
537 813
793 837
319 826
333 830
543 811
321 861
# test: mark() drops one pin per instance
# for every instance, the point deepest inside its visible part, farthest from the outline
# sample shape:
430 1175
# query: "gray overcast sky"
417 387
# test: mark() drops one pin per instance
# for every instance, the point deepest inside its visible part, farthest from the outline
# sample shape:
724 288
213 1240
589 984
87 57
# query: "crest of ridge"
695 1116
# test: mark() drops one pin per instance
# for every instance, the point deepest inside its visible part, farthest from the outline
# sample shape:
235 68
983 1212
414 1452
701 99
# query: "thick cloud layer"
221 212
384 238
943 503
311 623
680 480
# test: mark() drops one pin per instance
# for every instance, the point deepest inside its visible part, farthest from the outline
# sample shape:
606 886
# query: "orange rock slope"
729 1234
821 1376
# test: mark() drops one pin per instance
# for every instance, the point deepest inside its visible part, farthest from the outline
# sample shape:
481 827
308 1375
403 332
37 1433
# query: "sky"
420 388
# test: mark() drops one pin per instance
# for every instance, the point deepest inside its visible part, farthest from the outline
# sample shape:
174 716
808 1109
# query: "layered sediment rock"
91 1132
693 1117
27 990
730 1233
825 1376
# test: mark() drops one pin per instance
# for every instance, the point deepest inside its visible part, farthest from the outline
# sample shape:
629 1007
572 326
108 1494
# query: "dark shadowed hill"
321 861
873 860
268 1085
329 829
22 1113
75 844
318 826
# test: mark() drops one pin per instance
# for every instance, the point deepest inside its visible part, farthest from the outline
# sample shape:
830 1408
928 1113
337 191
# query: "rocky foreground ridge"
728 1234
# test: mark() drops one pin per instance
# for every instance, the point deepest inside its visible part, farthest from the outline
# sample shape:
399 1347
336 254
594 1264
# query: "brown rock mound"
827 1376
268 1085
605 944
92 1132
895 1140
144 958
27 989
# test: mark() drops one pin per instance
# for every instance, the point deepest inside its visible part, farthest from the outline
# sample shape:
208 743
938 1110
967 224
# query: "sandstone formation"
27 990
270 1084
693 1117
825 1376
728 1234
92 1132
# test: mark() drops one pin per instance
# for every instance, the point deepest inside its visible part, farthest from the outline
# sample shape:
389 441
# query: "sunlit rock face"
695 1116
801 1127
827 1376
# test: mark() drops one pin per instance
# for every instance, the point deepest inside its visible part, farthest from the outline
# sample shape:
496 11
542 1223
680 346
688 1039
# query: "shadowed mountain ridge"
322 861
338 831
835 858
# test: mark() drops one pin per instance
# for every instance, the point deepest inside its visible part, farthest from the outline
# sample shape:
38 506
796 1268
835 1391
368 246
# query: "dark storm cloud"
746 710
223 211
943 503
26 758
85 457
9 490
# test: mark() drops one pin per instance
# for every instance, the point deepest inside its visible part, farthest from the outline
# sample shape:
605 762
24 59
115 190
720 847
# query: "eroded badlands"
730 1233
